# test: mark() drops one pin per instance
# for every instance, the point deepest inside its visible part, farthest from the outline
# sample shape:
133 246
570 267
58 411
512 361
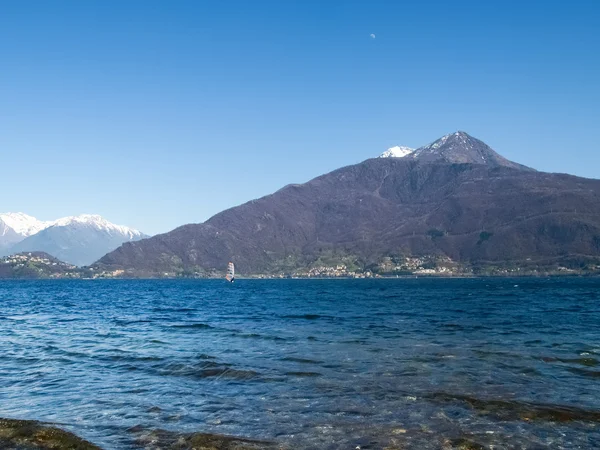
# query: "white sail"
230 272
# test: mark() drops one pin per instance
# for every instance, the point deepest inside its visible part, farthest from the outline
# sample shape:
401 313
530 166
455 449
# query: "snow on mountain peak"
458 140
23 224
98 222
397 152
80 219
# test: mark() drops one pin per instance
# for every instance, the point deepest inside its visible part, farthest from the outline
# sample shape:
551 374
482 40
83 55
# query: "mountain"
78 240
397 152
460 148
456 148
15 227
440 202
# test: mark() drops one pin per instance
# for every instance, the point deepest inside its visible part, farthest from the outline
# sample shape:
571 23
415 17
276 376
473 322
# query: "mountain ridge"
458 147
480 212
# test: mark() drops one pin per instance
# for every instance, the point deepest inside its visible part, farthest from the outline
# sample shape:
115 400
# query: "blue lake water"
417 363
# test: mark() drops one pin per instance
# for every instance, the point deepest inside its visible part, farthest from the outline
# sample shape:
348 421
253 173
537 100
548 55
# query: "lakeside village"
42 265
388 267
36 265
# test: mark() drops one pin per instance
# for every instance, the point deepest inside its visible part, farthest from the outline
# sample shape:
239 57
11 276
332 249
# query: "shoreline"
264 277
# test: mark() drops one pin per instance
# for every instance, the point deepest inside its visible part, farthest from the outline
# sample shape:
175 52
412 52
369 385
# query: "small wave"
235 374
584 372
308 316
301 360
67 353
452 326
67 320
181 367
127 358
589 351
207 369
588 362
510 332
304 374
355 341
376 350
258 336
192 325
496 353
173 310
381 327
123 322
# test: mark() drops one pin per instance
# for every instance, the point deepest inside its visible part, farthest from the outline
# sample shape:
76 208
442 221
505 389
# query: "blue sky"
159 113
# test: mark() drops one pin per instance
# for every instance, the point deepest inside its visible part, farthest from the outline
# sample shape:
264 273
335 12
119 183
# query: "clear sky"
159 113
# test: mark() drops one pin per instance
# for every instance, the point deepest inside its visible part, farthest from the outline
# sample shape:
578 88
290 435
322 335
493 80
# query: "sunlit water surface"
421 363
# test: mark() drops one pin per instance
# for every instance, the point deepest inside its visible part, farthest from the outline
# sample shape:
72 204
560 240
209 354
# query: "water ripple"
407 363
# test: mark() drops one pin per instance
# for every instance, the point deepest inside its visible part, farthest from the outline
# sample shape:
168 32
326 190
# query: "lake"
311 364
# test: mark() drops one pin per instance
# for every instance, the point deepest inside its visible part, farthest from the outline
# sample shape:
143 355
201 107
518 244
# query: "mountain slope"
491 211
78 240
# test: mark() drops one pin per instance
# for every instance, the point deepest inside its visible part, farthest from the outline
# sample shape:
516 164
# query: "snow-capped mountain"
397 152
22 223
456 148
461 148
15 227
78 240
99 223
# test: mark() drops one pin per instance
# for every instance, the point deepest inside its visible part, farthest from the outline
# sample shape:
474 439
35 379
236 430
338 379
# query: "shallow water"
420 363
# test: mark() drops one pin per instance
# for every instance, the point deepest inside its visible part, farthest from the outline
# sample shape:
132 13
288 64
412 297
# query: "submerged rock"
169 440
30 435
517 410
463 443
33 435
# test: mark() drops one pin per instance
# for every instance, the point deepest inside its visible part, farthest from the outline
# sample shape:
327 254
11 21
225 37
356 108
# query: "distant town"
39 265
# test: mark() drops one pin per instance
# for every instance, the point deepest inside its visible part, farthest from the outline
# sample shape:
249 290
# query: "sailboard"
230 272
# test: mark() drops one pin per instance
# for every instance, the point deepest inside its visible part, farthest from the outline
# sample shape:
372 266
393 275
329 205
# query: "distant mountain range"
455 198
78 240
